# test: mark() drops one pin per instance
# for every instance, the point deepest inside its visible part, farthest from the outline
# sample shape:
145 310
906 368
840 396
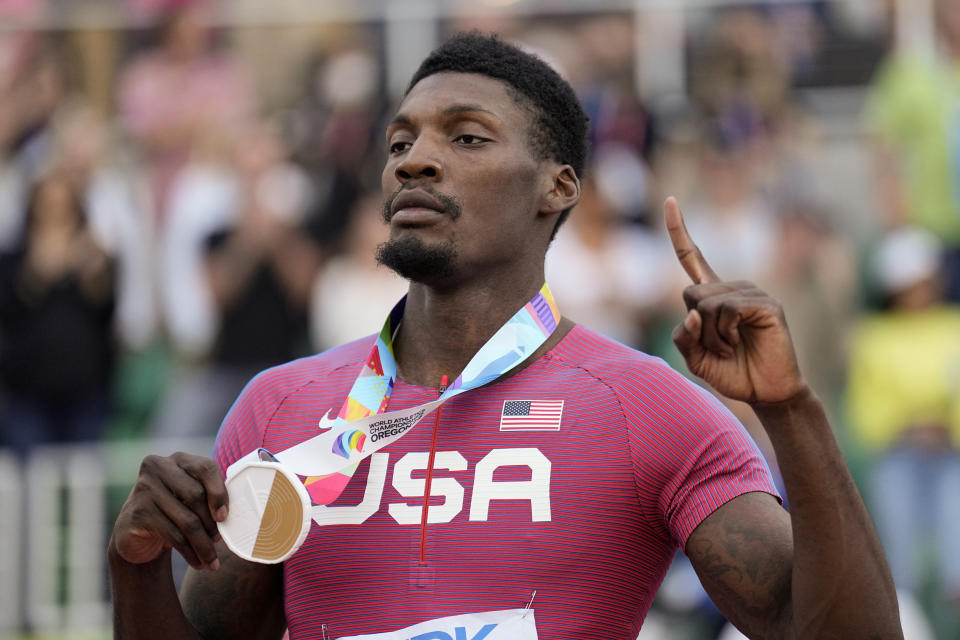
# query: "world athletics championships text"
395 426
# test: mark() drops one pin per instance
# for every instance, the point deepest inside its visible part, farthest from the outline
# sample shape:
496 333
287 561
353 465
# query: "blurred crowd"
182 206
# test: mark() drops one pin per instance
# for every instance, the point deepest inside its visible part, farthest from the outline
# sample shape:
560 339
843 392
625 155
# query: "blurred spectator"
237 278
335 136
262 266
353 294
180 95
602 70
117 200
33 84
904 403
798 37
56 333
914 113
604 272
813 274
732 220
738 75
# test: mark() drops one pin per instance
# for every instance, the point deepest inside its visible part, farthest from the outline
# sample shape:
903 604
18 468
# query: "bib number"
509 624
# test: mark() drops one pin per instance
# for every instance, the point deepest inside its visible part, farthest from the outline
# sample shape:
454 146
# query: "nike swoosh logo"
326 422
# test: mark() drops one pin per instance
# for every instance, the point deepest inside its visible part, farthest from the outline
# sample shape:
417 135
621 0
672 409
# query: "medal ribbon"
327 461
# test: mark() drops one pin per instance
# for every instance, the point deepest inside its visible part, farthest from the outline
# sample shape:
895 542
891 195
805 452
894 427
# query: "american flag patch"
531 415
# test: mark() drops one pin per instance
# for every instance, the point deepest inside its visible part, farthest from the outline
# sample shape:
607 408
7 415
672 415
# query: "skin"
475 150
820 575
818 572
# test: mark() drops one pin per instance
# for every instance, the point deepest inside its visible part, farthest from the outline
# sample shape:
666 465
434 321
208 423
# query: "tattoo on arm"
745 563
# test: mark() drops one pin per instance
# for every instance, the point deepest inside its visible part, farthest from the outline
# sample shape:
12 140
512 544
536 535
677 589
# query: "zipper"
429 480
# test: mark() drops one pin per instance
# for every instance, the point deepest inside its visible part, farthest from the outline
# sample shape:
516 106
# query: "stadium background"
189 128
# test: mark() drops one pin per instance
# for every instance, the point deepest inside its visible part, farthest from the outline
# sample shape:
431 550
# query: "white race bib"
509 624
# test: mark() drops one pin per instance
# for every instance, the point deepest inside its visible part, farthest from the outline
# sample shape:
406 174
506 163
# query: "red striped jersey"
588 515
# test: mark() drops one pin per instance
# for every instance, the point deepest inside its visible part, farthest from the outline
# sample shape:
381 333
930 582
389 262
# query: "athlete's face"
464 190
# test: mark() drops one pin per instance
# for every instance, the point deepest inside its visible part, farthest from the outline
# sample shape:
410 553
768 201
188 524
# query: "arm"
211 600
175 504
819 572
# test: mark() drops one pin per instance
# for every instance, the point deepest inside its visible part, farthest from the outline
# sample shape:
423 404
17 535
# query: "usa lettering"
536 490
460 633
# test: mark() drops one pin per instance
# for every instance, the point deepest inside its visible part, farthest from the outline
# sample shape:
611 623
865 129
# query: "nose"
419 162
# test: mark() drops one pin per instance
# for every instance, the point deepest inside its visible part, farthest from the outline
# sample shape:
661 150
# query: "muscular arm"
239 600
175 504
820 572
817 573
743 554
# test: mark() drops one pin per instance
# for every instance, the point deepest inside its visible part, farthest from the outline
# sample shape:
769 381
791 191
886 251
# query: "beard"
415 260
410 256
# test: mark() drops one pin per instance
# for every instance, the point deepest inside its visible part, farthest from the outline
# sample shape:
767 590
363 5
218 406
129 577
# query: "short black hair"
559 129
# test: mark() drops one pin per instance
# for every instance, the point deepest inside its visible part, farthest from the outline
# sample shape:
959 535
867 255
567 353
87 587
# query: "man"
912 114
572 519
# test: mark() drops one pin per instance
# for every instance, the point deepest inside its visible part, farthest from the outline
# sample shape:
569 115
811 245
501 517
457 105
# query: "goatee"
415 260
408 255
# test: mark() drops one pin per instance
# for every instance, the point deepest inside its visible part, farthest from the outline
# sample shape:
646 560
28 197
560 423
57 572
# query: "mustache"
451 206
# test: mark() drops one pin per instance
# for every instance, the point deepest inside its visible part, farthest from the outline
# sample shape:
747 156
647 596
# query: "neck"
443 329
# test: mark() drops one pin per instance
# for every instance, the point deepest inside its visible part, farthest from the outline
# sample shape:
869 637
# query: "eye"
398 147
470 139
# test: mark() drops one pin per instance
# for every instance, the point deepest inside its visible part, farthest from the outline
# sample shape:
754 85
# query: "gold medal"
269 513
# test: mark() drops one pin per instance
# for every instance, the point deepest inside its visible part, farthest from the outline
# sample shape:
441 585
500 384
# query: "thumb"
686 335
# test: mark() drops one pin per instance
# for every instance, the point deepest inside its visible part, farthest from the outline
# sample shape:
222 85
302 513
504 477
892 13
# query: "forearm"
145 602
841 584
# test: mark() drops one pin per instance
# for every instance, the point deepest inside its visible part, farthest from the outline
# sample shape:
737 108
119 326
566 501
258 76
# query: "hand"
175 503
734 336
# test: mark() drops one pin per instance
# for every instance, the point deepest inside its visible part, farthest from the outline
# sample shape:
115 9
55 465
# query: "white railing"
55 520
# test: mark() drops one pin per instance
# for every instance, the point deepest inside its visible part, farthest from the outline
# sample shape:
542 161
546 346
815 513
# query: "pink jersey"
578 478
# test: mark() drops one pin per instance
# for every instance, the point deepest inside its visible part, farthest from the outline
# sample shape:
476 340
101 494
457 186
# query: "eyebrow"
453 110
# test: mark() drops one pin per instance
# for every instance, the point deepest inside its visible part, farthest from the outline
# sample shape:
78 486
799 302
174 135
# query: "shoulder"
661 408
596 352
688 450
637 378
248 422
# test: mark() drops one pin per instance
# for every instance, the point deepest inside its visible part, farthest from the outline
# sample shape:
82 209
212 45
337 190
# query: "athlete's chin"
412 258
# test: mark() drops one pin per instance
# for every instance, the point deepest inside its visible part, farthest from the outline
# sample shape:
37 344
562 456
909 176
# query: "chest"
481 504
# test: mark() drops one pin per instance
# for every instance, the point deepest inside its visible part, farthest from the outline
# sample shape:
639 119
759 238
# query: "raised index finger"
687 252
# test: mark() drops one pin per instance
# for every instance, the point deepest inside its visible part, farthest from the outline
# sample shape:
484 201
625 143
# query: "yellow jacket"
904 369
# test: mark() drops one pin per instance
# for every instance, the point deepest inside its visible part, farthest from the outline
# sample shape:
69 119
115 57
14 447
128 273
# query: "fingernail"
221 514
688 322
215 564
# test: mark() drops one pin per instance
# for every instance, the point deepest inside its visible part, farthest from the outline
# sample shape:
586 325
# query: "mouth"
415 217
415 208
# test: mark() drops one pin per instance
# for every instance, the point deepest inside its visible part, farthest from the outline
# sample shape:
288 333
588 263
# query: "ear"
563 190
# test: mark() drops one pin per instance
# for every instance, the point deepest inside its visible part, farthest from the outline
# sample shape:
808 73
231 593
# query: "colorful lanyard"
328 460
